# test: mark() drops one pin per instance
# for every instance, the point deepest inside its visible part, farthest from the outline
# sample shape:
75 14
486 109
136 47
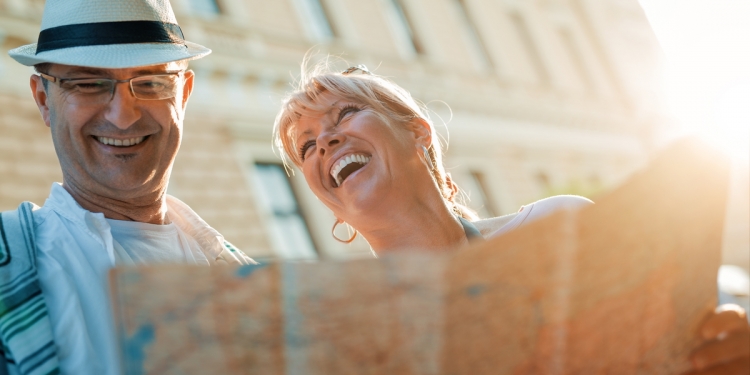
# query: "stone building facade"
537 97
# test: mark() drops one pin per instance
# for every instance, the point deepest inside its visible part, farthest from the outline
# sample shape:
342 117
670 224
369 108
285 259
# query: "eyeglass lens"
101 90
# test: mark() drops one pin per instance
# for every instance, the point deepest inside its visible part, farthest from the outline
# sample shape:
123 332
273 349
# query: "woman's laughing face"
353 160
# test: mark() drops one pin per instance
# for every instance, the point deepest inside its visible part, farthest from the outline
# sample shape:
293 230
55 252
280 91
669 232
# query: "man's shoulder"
58 201
38 214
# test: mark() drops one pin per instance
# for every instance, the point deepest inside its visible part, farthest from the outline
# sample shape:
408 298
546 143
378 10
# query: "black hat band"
103 33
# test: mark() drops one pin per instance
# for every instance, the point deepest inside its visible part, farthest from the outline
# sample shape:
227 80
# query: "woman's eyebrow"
333 106
326 113
302 136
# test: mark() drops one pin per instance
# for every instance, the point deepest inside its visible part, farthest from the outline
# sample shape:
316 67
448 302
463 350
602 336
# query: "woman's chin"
354 184
364 199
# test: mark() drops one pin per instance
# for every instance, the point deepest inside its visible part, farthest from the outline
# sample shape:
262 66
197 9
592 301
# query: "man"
112 86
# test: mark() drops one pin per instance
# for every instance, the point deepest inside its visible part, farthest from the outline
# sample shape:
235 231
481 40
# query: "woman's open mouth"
346 166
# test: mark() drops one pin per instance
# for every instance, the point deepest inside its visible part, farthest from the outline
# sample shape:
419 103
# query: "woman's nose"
328 141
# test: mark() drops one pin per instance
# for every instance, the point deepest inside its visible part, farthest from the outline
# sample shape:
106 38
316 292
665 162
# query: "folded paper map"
619 287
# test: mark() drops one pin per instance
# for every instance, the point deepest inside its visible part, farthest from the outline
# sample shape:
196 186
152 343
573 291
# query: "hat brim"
111 56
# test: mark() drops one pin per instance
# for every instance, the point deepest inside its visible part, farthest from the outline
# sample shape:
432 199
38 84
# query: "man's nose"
123 110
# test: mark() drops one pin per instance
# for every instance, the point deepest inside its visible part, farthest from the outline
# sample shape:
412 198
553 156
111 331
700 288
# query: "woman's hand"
726 346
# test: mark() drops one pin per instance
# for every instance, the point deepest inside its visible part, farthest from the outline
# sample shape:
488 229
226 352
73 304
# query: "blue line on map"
476 290
134 349
245 270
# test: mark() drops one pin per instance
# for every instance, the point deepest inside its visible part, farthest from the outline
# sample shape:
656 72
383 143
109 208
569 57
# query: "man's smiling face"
120 149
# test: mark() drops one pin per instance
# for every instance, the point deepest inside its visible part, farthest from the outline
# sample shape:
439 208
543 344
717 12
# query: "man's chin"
125 157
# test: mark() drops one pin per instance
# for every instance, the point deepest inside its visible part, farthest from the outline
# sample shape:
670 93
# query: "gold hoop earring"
333 232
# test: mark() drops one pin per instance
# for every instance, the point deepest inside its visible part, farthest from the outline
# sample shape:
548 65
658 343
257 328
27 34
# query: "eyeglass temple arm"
48 77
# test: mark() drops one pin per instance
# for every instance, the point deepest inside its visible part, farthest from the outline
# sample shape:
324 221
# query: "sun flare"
706 46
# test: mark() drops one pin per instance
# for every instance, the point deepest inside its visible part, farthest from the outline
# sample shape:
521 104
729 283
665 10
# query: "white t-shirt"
143 243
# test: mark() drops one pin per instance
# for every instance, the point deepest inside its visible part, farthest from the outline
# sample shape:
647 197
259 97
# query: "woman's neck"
431 227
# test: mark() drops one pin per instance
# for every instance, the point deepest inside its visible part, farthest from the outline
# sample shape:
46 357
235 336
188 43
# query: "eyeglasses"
102 90
354 69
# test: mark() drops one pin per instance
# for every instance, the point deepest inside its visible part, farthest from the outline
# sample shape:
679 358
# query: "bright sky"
707 48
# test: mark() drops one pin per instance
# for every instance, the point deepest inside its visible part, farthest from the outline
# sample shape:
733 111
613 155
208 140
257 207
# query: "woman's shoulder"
544 207
498 225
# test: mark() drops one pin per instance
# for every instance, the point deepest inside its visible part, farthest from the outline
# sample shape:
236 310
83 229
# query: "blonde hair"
390 102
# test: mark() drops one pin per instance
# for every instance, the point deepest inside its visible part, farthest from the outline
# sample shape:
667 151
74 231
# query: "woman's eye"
346 111
304 148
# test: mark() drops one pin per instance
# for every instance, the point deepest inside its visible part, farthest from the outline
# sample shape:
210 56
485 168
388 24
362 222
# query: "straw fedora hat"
108 34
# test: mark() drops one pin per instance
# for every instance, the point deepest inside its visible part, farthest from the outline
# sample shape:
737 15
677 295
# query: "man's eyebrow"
80 70
147 71
83 70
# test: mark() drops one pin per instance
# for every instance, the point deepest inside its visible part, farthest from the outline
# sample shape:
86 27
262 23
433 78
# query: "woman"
370 153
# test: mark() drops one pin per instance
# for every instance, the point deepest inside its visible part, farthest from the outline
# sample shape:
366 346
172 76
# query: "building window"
477 43
577 58
204 7
544 184
479 198
289 233
403 28
532 51
315 20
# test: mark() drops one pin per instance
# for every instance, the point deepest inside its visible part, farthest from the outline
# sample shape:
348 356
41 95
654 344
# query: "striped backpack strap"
232 255
25 328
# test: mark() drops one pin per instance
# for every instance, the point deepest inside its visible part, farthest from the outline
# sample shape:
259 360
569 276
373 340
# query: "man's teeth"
120 142
361 159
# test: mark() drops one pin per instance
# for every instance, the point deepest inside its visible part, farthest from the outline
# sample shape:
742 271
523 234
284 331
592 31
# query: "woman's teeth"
360 159
120 142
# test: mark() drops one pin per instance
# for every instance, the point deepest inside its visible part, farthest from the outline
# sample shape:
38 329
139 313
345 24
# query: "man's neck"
150 209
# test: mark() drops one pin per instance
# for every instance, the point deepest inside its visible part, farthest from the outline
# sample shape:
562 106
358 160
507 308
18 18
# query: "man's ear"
40 97
422 131
187 88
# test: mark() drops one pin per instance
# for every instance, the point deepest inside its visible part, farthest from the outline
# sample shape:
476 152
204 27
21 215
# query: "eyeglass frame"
353 69
59 81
